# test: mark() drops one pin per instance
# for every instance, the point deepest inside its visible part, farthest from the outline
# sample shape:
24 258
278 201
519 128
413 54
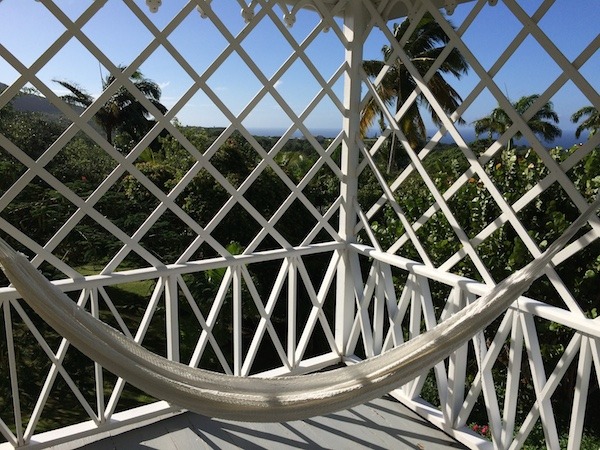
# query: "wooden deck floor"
381 424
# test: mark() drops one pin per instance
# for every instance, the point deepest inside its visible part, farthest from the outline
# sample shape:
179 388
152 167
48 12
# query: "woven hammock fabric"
267 399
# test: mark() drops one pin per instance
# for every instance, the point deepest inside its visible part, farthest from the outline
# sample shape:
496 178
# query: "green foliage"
31 132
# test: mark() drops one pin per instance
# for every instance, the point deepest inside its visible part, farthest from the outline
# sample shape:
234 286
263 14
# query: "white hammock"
261 399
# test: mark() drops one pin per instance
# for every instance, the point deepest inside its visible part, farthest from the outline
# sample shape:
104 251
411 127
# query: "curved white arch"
262 399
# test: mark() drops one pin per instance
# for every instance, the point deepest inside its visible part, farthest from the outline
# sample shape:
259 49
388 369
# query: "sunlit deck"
380 424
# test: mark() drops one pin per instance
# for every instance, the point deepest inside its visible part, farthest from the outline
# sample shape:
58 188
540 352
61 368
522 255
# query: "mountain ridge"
30 102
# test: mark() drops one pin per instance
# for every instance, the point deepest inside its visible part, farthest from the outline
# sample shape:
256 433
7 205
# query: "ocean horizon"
567 139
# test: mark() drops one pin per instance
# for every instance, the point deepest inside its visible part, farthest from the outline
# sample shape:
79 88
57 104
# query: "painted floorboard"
381 424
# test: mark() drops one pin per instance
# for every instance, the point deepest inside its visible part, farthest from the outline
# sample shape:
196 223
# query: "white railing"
237 349
387 313
386 318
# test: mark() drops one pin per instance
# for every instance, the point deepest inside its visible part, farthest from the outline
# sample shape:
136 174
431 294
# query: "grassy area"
137 288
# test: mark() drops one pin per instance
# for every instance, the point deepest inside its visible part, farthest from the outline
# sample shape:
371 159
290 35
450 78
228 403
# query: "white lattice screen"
301 224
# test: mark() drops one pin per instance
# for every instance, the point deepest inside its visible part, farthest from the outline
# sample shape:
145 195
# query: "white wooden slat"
538 374
6 432
55 363
36 248
51 377
362 323
394 335
553 381
413 388
347 289
234 45
488 388
259 334
266 324
457 364
430 323
378 312
523 235
98 372
485 360
206 331
138 337
377 291
582 384
237 320
292 311
596 355
111 306
515 357
211 320
390 198
120 76
517 121
398 51
172 318
16 438
317 299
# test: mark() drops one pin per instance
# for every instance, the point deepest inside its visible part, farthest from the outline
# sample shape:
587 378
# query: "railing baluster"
12 370
238 359
292 316
99 377
172 317
513 380
378 310
51 377
457 364
582 384
538 374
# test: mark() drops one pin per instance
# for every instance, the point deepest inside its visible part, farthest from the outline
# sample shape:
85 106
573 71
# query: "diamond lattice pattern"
419 207
205 163
229 190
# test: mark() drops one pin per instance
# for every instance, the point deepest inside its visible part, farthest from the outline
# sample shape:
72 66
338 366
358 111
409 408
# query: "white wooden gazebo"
369 295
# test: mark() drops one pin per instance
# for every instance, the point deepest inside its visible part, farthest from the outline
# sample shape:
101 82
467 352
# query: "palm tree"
591 123
422 48
541 123
122 111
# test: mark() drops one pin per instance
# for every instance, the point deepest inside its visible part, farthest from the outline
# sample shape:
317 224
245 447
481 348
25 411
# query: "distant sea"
567 139
276 132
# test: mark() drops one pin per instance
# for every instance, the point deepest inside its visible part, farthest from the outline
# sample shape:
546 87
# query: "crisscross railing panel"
215 343
500 353
435 227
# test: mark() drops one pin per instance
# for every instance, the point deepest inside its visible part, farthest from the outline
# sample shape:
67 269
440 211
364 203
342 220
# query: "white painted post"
12 367
237 320
292 311
99 376
172 318
355 20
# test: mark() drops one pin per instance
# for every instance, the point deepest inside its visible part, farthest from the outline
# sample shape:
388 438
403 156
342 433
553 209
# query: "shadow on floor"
381 424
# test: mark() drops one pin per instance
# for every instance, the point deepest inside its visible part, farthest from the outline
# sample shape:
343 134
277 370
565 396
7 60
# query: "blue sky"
26 29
